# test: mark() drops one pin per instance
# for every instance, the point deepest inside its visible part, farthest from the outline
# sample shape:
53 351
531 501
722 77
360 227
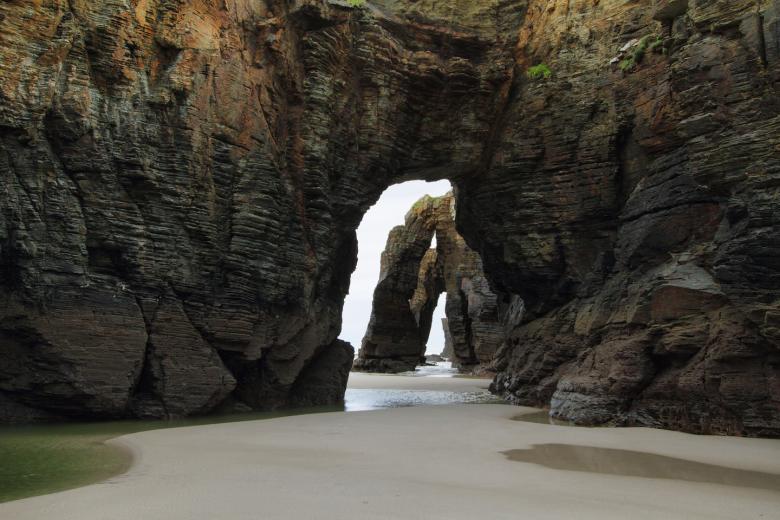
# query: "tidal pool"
543 417
40 459
629 463
43 459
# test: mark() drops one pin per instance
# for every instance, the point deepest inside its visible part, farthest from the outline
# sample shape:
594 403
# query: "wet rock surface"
181 182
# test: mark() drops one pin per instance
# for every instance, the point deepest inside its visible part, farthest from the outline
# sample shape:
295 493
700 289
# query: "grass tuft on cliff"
356 3
426 199
636 57
541 71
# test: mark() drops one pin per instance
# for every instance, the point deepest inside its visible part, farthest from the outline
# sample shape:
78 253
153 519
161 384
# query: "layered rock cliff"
411 279
640 225
182 180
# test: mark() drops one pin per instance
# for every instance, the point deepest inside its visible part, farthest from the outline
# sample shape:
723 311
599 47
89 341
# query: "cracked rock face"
181 182
411 279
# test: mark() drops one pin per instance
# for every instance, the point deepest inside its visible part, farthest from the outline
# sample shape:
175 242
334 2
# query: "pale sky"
372 236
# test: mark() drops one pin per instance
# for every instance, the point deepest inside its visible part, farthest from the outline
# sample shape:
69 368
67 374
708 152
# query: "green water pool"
40 459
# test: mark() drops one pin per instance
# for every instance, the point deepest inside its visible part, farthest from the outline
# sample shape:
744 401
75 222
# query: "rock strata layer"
640 225
181 182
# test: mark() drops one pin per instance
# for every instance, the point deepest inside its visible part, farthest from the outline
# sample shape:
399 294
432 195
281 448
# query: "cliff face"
412 277
640 226
182 181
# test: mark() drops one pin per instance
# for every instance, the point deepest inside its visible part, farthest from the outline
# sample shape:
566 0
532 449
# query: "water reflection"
543 417
46 458
636 464
440 369
357 400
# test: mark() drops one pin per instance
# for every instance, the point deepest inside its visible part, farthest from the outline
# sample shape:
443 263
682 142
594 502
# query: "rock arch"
181 182
411 279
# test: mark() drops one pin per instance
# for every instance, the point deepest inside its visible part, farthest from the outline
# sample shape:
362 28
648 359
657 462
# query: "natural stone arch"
198 184
412 277
182 181
399 326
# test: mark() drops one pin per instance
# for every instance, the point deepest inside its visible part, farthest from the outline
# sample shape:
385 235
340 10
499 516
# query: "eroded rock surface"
181 182
405 296
474 311
412 277
640 226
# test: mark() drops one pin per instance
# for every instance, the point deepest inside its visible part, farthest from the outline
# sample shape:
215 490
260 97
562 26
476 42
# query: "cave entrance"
374 238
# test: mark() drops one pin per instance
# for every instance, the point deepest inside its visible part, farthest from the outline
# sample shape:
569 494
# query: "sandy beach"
429 462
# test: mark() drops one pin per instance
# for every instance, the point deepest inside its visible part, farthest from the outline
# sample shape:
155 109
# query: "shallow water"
357 400
41 459
636 464
441 369
543 417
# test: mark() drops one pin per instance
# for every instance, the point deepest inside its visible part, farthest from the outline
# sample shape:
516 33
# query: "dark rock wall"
151 169
181 182
640 225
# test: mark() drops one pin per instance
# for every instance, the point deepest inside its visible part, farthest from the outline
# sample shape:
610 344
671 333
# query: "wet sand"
40 459
428 462
631 463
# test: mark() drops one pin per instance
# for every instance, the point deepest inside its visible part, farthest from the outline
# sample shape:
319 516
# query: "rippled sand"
460 461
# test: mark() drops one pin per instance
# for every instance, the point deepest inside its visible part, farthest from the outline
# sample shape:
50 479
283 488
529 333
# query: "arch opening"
372 236
427 294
